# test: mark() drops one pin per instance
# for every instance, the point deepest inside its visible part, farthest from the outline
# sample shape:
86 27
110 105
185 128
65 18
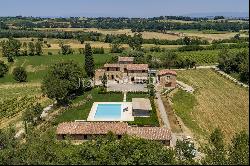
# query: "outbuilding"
141 107
167 78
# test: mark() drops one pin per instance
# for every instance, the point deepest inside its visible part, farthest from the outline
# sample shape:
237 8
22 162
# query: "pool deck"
125 116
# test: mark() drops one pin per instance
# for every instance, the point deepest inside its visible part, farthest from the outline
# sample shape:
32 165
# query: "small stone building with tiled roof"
167 78
141 107
91 130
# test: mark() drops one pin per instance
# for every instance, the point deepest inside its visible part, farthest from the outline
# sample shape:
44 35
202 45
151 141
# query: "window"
167 77
85 136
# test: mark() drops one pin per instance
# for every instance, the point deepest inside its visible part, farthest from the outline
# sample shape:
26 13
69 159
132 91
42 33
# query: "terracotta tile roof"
91 128
111 65
151 133
166 71
119 128
137 67
125 59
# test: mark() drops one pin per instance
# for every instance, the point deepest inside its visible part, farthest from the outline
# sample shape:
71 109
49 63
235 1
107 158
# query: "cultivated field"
169 35
15 98
218 103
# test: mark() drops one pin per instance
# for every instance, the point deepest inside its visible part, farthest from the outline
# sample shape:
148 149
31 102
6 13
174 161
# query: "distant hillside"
225 14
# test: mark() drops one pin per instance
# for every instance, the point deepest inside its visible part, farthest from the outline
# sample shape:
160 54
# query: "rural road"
162 110
165 119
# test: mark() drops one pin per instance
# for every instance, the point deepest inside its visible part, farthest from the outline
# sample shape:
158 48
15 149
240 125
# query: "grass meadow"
217 102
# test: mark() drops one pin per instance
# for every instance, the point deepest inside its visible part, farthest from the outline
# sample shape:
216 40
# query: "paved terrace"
127 87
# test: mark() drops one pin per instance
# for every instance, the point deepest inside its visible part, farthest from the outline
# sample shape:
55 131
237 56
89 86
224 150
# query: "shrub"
50 53
20 74
3 68
98 50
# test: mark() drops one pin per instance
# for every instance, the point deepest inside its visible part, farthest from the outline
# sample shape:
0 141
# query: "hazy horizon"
119 8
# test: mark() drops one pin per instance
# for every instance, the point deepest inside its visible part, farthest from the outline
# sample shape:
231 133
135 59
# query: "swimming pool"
108 111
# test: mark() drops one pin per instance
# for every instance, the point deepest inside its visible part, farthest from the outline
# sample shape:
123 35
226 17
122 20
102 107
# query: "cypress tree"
89 61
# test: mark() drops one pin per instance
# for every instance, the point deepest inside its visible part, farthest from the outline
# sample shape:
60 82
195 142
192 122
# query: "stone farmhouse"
91 130
125 71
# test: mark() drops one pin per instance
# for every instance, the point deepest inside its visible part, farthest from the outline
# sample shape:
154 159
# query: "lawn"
81 107
136 95
37 66
84 103
217 102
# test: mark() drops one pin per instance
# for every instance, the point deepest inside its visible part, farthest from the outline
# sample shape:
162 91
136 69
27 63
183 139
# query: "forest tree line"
136 24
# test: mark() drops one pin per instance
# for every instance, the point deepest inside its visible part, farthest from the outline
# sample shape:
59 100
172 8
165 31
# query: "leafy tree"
31 47
25 49
3 68
149 59
185 151
32 115
81 39
66 49
169 59
239 149
38 48
244 70
11 48
151 87
235 62
115 47
237 36
89 61
14 46
138 56
104 80
63 80
136 41
19 74
219 17
187 40
215 152
7 138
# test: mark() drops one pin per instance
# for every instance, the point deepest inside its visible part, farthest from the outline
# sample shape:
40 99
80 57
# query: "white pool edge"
125 116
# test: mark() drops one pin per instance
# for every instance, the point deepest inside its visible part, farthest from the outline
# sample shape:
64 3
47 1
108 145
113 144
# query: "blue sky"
116 8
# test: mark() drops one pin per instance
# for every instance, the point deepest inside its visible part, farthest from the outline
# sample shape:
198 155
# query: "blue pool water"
108 111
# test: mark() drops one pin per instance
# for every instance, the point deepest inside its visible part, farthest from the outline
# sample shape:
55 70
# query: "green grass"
135 95
81 111
37 66
184 103
204 57
218 103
